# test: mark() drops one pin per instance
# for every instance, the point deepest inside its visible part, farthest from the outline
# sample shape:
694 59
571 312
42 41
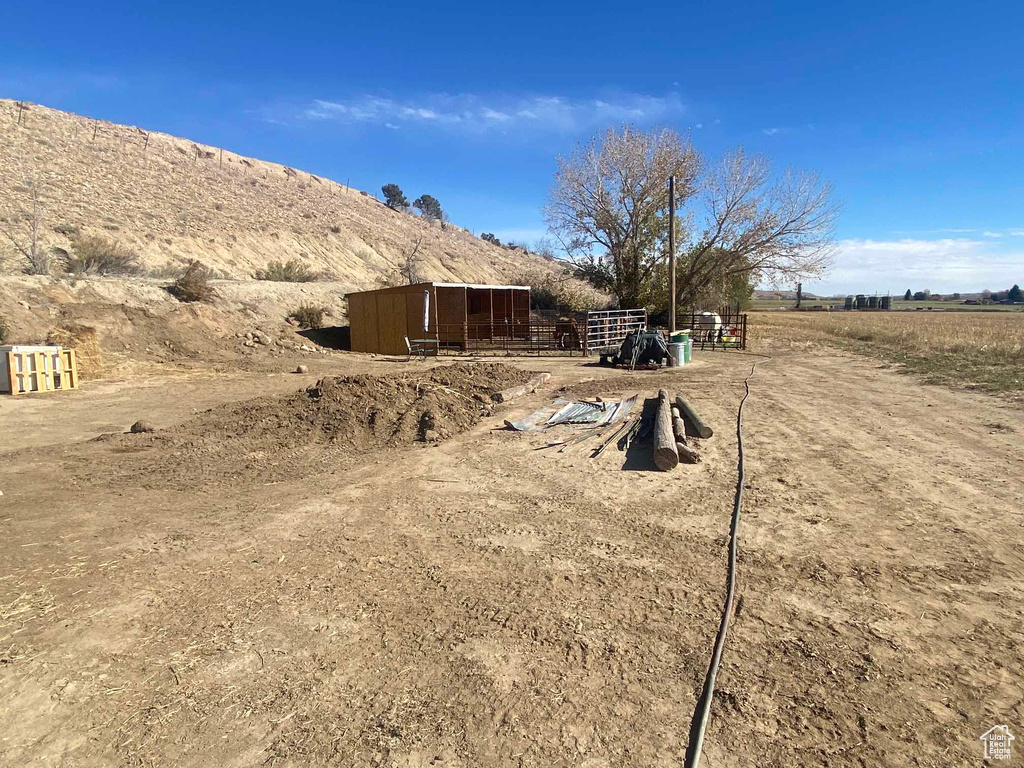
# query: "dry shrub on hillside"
168 271
292 271
86 343
5 329
98 255
309 316
560 291
68 230
194 283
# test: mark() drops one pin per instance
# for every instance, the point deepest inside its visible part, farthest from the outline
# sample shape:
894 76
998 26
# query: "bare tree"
738 223
25 231
608 207
756 225
408 270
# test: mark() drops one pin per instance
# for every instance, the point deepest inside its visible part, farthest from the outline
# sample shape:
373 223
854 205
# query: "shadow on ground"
337 337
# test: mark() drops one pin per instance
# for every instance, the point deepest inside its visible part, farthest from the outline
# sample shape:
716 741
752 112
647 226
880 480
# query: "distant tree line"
1012 295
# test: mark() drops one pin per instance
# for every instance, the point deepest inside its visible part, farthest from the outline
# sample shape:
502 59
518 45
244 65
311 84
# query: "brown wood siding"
414 314
391 323
380 320
503 304
362 321
451 314
521 304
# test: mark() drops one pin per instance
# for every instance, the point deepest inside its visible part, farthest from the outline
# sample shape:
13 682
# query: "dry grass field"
983 350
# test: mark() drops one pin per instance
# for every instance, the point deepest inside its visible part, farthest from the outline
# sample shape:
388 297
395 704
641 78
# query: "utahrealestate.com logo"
997 743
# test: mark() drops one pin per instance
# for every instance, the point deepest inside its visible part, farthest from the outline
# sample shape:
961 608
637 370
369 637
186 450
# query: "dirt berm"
323 428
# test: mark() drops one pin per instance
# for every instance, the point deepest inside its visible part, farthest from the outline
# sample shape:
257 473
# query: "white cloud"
992 234
770 131
474 113
943 265
1016 233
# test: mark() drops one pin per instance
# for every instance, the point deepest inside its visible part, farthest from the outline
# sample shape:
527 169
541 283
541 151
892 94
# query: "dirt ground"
476 602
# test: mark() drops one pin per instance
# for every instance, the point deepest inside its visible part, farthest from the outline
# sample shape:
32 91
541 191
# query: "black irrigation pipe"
699 723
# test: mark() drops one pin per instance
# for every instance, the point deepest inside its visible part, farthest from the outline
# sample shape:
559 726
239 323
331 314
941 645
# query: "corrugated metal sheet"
578 413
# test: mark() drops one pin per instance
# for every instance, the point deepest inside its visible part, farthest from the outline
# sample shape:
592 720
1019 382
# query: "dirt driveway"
482 603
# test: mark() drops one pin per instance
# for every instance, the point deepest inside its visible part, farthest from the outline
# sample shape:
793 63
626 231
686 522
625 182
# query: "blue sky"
914 110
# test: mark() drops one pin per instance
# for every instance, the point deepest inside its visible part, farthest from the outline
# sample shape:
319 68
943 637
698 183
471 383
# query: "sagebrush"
98 255
292 271
309 316
194 283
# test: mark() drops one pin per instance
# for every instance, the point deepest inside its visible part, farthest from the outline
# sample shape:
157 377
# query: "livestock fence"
594 334
731 333
520 336
607 329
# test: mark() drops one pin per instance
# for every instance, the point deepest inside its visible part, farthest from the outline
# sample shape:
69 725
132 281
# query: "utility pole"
672 254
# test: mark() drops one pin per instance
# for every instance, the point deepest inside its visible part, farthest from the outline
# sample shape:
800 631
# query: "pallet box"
25 368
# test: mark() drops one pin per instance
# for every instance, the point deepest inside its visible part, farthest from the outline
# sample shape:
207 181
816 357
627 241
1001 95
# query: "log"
679 429
666 455
687 454
507 395
698 423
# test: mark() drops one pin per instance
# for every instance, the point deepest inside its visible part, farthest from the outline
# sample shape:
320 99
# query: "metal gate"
730 334
607 329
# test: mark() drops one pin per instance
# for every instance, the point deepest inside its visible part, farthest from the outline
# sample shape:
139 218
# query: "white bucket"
676 354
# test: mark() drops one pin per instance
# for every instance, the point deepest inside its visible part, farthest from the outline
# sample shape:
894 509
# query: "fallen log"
698 423
687 454
507 395
666 455
679 429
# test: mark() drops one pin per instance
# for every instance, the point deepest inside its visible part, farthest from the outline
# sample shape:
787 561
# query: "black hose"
699 723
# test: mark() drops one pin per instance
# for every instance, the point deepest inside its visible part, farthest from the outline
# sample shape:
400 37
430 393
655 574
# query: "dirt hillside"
173 200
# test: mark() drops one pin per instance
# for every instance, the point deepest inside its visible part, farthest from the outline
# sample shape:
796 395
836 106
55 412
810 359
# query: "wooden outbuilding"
456 316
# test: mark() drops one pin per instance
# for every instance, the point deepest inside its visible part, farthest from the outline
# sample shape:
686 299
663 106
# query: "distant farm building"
456 316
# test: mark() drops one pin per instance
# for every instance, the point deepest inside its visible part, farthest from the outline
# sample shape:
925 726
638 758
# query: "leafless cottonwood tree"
25 231
608 209
775 229
408 270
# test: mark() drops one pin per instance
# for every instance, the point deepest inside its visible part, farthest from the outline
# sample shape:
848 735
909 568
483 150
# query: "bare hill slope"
173 200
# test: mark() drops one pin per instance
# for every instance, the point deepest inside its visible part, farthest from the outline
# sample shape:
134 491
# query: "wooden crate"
26 369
